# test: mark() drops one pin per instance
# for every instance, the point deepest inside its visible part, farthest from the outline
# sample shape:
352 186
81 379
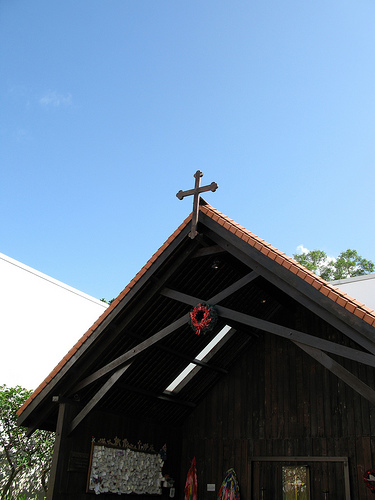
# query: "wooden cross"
196 192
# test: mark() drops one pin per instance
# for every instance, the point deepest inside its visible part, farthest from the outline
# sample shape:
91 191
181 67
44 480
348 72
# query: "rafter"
341 372
98 396
281 331
309 343
212 250
158 336
295 335
192 301
131 353
182 355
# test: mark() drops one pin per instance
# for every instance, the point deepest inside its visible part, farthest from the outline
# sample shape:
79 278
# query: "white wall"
40 321
361 288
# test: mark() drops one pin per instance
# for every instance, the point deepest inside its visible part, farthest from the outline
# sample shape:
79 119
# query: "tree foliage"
348 264
24 461
109 302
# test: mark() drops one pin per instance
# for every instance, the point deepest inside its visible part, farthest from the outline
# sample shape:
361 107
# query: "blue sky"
109 107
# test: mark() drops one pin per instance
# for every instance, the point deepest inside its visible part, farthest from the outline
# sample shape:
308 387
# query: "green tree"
346 265
107 301
24 461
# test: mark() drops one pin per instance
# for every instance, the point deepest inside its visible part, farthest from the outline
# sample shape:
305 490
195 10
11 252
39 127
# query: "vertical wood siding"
278 402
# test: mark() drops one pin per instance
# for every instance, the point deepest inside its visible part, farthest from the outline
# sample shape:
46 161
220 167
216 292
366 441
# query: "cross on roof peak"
196 192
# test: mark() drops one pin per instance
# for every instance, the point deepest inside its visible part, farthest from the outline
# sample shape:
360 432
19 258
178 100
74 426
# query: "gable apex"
248 249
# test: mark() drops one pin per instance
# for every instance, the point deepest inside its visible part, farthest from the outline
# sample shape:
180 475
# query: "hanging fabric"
191 485
229 489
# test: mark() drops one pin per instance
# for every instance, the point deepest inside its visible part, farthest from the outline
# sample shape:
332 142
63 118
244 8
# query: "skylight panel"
204 355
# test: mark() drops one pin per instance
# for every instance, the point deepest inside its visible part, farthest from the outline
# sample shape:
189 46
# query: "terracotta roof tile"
350 306
360 313
357 302
279 259
341 301
272 255
369 319
333 295
287 264
367 309
309 279
282 259
316 284
301 274
48 379
294 269
25 405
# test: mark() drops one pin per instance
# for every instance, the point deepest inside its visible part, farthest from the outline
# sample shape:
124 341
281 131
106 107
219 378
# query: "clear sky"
107 108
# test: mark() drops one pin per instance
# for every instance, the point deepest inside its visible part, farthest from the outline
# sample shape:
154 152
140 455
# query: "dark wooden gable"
125 364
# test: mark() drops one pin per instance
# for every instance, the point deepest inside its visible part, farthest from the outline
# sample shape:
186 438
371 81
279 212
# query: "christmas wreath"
202 318
369 479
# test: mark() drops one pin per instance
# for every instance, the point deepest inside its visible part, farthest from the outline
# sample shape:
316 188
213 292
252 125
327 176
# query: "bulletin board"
124 469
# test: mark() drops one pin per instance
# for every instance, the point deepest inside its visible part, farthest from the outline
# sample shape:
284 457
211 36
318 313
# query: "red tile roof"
333 293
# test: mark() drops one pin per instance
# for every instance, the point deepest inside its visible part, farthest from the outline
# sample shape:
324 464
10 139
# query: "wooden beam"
296 336
357 330
307 458
343 374
180 297
233 288
308 343
157 283
193 301
181 355
116 363
164 332
38 421
57 480
163 396
281 331
98 396
203 252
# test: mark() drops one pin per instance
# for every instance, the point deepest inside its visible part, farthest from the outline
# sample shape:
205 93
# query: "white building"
361 288
41 318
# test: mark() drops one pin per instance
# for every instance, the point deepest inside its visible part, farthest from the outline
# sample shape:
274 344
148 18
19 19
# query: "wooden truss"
260 265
